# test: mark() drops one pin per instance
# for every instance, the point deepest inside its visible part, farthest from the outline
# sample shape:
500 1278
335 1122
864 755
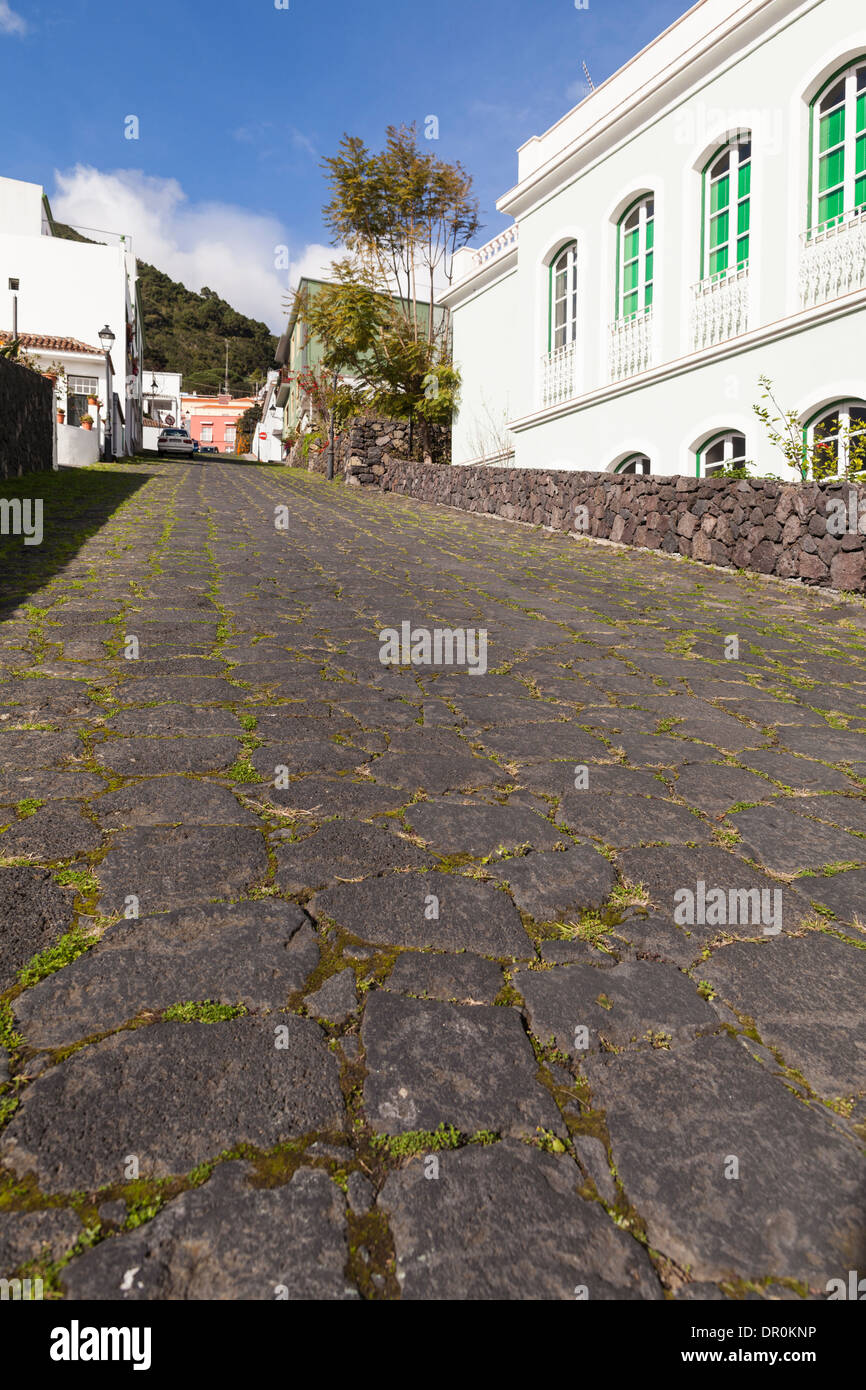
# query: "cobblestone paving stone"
321 978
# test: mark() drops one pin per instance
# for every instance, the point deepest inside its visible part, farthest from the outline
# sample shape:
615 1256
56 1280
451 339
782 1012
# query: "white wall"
20 208
76 448
660 145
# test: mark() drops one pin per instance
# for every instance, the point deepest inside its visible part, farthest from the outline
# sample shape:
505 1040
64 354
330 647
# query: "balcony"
631 345
506 241
558 375
833 260
720 308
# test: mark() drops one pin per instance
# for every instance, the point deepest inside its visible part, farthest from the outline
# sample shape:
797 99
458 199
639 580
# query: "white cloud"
10 22
228 248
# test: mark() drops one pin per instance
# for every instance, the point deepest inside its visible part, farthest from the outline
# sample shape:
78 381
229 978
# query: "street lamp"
14 286
106 338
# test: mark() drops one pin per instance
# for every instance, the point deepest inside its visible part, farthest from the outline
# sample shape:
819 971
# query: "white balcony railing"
558 375
720 308
631 345
496 247
833 261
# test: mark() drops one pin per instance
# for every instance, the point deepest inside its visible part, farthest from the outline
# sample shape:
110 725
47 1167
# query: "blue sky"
238 101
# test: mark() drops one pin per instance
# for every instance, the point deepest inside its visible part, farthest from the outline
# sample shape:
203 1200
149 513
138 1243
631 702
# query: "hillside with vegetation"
187 332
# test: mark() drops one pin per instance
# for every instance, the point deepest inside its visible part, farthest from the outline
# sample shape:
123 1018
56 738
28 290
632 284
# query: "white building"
162 404
697 222
267 442
70 289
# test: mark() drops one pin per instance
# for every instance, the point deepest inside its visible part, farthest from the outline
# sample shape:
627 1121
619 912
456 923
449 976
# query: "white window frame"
645 209
848 78
843 410
563 264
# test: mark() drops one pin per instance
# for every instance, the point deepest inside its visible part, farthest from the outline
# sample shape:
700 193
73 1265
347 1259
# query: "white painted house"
68 289
162 405
698 221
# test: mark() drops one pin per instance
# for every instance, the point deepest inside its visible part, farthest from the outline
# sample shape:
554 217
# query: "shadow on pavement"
76 504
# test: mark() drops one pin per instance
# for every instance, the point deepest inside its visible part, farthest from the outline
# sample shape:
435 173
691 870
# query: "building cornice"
639 104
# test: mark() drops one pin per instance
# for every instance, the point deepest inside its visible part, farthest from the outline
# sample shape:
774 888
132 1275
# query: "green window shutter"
648 301
720 192
831 131
744 182
650 234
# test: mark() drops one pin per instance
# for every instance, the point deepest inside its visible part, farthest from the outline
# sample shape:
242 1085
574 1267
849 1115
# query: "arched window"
727 208
835 439
563 298
837 176
634 265
635 463
724 450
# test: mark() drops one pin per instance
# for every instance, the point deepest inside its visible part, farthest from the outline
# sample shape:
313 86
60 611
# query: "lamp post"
106 338
13 285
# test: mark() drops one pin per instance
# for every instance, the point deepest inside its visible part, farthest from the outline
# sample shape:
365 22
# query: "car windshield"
174 434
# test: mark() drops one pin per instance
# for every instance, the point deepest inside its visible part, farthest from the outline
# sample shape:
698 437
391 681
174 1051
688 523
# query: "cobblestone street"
321 978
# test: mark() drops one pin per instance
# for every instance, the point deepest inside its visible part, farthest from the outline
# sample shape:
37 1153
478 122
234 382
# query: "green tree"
401 214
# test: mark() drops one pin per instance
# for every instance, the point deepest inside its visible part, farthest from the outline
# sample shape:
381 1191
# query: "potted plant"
86 422
61 415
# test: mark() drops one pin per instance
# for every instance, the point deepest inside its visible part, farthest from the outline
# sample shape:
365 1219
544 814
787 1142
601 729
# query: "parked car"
176 442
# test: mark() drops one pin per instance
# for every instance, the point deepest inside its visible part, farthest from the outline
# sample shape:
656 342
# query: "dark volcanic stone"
393 911
844 894
336 1000
54 833
457 979
173 868
321 798
148 757
437 772
229 1242
431 1063
26 1236
676 1119
34 912
787 843
171 801
630 1004
799 773
479 829
805 995
180 690
634 820
557 887
301 758
21 750
714 788
665 871
344 850
506 1223
78 1122
257 954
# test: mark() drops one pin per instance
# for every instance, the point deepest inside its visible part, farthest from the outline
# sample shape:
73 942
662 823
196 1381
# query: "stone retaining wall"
363 444
26 421
813 531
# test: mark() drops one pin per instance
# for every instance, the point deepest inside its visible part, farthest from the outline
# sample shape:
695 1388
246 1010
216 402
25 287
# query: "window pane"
650 234
860 156
719 230
738 442
716 453
832 130
743 217
831 206
742 250
835 97
630 245
861 114
651 206
629 304
857 417
648 297
861 79
719 194
633 219
831 170
744 182
629 276
721 165
719 260
745 151
649 266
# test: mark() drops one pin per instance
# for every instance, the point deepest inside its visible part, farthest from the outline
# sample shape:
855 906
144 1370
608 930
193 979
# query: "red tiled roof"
39 342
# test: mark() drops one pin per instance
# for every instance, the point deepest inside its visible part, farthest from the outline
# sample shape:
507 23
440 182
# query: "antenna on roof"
589 80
